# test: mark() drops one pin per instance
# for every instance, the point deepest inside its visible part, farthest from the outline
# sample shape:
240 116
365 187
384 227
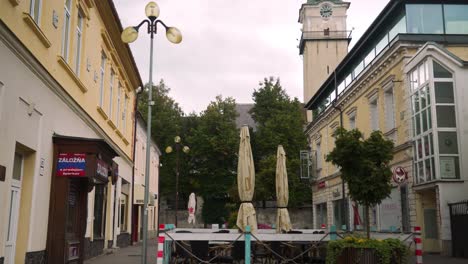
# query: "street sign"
399 175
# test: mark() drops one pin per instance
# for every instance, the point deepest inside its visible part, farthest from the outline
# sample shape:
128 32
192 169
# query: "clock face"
326 11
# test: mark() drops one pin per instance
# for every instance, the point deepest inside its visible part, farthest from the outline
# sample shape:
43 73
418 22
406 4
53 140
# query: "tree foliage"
280 121
364 165
214 143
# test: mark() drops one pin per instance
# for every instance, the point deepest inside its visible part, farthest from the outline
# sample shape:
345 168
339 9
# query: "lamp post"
185 149
130 34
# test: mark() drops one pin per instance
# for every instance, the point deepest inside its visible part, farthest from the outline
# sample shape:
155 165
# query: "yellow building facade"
67 100
402 77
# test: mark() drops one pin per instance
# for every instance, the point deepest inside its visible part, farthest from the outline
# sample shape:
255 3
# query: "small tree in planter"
364 166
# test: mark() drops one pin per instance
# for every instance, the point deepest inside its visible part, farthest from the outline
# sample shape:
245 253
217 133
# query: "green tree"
167 122
364 166
214 145
280 121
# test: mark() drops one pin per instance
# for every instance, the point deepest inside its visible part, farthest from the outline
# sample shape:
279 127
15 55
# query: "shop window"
35 10
100 194
424 19
321 214
456 19
338 215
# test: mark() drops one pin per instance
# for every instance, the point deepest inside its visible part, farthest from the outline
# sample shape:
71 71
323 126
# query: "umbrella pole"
247 244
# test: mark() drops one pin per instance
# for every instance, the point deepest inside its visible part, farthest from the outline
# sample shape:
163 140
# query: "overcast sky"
229 46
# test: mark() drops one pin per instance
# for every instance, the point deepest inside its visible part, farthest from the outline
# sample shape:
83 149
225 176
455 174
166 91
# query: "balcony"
323 35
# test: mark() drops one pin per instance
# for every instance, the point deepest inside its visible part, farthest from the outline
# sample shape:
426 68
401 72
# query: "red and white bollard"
161 238
418 244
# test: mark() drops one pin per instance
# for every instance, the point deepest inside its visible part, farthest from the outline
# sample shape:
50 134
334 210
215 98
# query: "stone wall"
37 257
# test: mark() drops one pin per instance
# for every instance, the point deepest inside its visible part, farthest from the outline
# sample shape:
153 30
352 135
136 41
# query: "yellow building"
403 77
67 99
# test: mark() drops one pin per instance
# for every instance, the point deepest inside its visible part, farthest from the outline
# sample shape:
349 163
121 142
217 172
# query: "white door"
13 212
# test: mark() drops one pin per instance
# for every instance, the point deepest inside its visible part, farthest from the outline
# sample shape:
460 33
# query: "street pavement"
128 255
132 255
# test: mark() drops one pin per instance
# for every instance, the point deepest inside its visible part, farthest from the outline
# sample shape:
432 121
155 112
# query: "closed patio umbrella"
246 183
192 203
283 223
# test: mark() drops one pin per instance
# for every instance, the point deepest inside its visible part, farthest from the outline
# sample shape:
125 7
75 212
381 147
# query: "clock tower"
324 42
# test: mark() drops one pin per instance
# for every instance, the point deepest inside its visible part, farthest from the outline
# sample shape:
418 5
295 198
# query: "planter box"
358 256
365 256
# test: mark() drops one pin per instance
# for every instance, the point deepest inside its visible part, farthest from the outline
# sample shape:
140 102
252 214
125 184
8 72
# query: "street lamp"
129 35
185 149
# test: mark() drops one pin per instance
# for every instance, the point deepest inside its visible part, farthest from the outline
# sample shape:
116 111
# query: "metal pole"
148 153
177 184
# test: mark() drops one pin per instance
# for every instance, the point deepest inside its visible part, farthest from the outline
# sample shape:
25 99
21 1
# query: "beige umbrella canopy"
283 223
246 183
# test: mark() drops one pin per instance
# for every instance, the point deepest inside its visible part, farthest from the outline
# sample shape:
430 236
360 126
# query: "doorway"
13 210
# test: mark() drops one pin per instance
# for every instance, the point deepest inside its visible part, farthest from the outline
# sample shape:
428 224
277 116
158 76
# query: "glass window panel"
426 146
429 119
422 94
414 126
348 80
400 27
418 125
432 144
421 175
424 120
428 95
415 79
433 169
444 92
420 151
448 143
17 166
456 19
440 71
341 87
449 167
332 96
369 58
425 18
37 6
427 169
446 116
359 68
415 103
422 74
381 45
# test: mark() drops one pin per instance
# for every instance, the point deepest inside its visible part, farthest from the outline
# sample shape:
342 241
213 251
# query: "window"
381 45
66 29
101 86
79 34
456 19
399 27
436 151
374 114
100 194
117 113
424 18
111 93
352 120
389 109
124 114
35 10
319 156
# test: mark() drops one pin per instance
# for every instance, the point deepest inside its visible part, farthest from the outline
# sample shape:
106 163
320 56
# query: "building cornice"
23 54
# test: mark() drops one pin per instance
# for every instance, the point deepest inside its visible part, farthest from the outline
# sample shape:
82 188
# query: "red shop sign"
71 165
322 185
